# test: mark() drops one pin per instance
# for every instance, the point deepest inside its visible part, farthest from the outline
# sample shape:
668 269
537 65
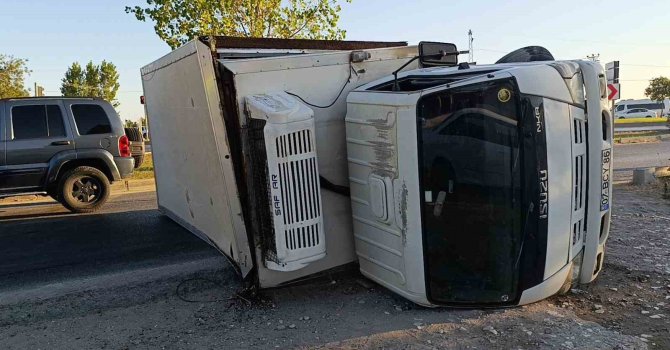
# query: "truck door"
195 179
36 132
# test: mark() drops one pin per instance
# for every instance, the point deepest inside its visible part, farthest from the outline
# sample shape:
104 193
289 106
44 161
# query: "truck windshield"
470 170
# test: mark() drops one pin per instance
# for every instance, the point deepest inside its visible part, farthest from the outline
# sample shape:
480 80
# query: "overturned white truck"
448 183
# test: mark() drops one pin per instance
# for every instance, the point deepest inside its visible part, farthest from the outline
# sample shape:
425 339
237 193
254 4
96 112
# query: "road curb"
117 187
129 185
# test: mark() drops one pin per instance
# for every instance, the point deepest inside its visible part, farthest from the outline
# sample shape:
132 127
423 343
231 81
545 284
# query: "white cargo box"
222 126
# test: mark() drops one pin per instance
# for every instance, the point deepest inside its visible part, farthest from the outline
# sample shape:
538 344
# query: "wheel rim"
86 190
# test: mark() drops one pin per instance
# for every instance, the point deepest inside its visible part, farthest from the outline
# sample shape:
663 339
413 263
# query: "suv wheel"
83 189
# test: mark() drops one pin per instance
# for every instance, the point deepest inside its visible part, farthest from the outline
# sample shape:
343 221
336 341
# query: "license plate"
605 183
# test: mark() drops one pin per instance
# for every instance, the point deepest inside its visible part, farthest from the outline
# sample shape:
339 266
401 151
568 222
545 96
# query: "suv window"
37 121
91 119
620 108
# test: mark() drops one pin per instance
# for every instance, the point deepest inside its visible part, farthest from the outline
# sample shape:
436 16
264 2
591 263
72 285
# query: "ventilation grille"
301 202
579 131
577 230
302 237
580 173
300 193
295 143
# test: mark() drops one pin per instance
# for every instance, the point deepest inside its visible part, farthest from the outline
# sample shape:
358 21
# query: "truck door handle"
61 143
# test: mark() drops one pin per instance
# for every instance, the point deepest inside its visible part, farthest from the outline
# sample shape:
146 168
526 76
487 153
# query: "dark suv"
68 148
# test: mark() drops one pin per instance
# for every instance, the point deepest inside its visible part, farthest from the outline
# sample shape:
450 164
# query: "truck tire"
138 161
83 189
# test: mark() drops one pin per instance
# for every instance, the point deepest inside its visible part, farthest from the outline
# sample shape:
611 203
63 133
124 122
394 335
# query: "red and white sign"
613 91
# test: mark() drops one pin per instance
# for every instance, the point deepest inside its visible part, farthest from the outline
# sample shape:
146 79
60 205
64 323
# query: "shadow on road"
42 246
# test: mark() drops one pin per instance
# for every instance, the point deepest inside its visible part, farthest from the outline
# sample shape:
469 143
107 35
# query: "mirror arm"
396 87
395 73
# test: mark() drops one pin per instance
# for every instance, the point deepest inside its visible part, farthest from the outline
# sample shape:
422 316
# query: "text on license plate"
605 183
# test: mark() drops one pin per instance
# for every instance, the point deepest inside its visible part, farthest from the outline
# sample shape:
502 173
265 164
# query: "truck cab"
469 184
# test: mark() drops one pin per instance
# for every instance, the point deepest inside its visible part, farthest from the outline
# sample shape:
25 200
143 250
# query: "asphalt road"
636 155
42 242
618 126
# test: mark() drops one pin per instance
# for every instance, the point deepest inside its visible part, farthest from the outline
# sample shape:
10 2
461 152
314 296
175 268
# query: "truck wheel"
138 161
83 189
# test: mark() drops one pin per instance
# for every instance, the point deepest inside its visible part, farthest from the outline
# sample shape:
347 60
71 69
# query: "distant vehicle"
137 147
145 133
637 113
68 148
662 108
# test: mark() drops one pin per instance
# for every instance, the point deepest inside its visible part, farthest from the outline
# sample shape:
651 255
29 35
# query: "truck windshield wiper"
531 207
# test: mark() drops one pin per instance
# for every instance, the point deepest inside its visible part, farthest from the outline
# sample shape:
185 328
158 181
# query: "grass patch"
146 171
640 120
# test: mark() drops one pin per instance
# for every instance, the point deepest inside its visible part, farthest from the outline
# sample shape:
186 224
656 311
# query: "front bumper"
125 166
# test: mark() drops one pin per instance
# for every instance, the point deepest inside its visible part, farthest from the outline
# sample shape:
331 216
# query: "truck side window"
37 121
91 119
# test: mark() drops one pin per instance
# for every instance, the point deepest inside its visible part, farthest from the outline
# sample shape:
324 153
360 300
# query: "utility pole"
595 57
39 90
471 55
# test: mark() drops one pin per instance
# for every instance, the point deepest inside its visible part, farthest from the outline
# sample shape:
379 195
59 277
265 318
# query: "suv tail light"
124 146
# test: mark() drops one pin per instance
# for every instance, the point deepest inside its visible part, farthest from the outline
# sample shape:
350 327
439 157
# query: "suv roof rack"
50 98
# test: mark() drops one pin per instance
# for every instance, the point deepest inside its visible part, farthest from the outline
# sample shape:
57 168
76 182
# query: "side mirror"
438 54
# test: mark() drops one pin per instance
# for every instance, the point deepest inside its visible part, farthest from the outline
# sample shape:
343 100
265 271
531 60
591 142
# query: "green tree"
73 82
109 82
129 124
658 89
178 21
13 73
92 81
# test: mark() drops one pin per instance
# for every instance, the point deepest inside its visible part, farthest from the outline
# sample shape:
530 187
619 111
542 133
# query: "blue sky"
53 34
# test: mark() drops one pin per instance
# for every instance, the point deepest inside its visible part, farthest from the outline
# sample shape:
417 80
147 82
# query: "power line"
644 65
491 50
591 41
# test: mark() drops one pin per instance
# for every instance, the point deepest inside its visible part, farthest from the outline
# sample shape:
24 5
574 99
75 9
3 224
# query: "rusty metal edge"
229 42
